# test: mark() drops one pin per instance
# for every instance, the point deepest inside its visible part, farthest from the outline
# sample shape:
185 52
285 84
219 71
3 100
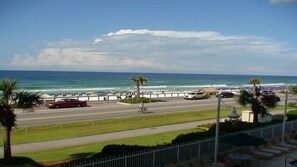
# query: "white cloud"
97 40
282 1
208 35
165 51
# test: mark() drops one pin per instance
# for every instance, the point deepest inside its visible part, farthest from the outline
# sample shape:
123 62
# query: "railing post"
177 156
126 161
199 150
154 156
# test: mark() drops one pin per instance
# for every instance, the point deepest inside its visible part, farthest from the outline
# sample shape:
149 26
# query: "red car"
66 103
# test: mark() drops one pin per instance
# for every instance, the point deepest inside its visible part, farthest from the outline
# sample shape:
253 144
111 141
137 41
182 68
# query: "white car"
195 95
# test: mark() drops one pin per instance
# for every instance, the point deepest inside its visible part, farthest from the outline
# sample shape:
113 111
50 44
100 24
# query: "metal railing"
289 157
176 153
109 97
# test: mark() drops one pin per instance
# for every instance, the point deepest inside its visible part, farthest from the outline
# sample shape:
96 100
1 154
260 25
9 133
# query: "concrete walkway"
39 146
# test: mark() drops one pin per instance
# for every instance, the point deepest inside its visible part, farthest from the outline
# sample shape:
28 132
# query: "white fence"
176 153
109 97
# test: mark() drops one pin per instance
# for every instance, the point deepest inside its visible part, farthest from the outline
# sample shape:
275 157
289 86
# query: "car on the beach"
195 95
63 103
225 94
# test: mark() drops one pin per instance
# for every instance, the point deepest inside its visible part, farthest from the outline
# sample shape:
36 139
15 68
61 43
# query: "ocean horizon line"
182 73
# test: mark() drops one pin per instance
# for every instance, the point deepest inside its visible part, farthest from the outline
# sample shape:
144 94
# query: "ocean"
60 82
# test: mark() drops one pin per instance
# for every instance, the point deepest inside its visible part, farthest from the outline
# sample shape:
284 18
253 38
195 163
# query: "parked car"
267 92
66 103
225 94
195 95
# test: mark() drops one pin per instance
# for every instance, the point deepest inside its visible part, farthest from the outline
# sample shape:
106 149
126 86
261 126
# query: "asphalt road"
105 110
112 110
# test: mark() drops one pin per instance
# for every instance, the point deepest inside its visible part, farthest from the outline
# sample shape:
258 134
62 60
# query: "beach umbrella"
242 139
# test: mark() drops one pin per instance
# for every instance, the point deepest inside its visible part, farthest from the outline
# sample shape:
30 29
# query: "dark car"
225 94
66 103
267 92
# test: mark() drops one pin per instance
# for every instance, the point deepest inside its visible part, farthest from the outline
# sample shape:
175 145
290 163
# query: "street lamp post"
217 131
232 115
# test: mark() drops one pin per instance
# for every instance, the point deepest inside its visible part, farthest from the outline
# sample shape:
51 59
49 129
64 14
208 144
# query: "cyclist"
141 106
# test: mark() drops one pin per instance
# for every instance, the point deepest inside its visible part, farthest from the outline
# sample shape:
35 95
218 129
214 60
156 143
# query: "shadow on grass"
82 155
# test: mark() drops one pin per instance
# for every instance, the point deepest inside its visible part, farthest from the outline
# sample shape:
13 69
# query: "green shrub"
137 100
207 96
291 104
116 149
225 128
293 89
292 115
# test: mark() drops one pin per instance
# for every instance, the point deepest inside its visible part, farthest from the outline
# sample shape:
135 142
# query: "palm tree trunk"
138 91
255 110
6 143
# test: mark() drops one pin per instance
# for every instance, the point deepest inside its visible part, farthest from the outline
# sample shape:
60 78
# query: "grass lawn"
84 151
70 130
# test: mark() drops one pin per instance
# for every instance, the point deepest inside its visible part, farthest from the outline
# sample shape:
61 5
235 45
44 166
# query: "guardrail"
176 153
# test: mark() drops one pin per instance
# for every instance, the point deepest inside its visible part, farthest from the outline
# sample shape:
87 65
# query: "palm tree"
8 101
138 81
259 103
255 82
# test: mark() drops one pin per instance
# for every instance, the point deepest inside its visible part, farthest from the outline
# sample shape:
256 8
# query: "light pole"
215 160
232 115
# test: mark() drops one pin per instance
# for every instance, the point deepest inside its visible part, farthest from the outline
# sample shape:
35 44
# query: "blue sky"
168 36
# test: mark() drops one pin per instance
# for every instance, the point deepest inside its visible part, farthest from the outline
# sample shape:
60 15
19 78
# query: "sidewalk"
32 147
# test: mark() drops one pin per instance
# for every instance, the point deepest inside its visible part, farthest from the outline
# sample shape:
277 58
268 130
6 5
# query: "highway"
99 110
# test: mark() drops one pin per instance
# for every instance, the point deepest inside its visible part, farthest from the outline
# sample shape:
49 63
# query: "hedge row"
137 100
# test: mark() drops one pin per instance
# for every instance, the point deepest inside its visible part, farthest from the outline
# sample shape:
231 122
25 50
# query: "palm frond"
7 87
27 101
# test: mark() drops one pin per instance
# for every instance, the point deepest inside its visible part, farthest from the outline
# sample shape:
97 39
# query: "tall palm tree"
8 101
138 81
259 103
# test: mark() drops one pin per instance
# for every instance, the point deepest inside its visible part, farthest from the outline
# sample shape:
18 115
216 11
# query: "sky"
151 36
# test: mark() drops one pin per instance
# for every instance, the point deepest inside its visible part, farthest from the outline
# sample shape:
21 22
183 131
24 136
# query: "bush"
207 96
19 162
137 100
291 104
192 137
225 128
293 89
292 115
116 149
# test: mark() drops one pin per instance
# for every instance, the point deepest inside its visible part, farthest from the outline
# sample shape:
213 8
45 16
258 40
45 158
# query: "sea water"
53 82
